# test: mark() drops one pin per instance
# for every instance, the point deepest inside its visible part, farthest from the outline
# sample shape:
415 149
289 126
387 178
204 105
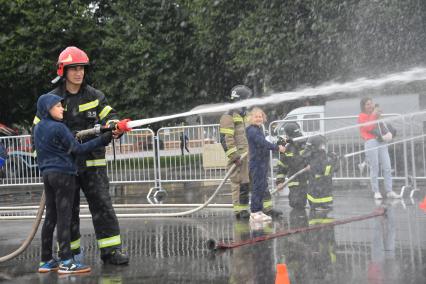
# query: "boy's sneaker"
51 265
378 195
392 194
260 217
70 266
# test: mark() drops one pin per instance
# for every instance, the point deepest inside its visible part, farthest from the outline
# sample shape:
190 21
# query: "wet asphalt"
390 248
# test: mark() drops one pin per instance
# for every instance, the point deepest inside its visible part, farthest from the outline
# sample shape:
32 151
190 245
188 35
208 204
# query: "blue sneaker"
70 266
51 265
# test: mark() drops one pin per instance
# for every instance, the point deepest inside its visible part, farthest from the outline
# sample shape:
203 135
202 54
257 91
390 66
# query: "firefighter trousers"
240 186
95 186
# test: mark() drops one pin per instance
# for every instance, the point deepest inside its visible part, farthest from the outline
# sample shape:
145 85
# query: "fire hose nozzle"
82 134
122 125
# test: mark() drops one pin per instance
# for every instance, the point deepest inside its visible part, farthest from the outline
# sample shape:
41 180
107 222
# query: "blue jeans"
375 158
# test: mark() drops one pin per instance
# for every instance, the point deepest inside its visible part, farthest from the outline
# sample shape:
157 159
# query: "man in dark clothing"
56 146
86 106
184 143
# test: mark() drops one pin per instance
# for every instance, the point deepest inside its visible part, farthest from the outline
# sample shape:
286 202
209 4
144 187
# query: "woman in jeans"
376 149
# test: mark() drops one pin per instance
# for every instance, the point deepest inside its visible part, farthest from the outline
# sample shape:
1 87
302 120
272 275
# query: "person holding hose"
85 107
290 163
259 149
377 153
234 142
55 147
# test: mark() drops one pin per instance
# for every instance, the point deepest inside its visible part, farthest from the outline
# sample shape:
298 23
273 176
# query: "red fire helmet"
70 56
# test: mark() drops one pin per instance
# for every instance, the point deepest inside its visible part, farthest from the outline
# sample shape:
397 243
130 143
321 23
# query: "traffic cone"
422 204
282 274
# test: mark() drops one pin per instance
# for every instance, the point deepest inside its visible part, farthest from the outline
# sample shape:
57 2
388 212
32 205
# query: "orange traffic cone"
282 274
422 204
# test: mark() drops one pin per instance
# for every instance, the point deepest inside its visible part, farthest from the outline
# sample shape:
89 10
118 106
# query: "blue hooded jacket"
259 147
55 143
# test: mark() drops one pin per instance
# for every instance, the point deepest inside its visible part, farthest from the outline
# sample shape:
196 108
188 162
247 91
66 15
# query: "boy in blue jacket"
55 146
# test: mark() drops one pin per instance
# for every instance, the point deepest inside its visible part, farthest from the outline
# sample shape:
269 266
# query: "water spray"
384 145
325 90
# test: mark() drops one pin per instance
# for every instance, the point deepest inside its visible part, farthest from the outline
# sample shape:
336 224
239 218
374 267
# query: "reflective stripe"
267 204
88 105
229 131
105 112
109 242
280 176
332 254
327 170
36 120
293 183
75 244
321 221
96 163
318 176
320 200
237 118
281 164
240 207
289 154
241 227
231 151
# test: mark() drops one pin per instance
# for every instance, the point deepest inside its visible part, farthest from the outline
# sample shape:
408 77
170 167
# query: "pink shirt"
365 130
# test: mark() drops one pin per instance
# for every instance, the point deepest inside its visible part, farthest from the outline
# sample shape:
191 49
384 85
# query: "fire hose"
213 245
30 237
280 186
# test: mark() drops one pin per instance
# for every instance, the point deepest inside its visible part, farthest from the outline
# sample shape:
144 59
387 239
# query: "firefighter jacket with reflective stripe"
292 161
322 168
320 183
82 111
233 134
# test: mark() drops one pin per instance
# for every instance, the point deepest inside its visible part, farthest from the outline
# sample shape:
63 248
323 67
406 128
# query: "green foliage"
156 57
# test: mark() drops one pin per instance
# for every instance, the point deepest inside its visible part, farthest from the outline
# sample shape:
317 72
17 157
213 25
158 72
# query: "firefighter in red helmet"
86 106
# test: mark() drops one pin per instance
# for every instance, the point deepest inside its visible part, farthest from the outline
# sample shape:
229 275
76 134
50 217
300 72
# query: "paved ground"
386 249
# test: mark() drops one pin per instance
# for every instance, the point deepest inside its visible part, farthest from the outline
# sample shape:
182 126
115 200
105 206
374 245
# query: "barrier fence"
194 153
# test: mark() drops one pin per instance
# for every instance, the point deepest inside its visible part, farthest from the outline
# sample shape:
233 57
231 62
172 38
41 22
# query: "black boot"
116 257
273 212
243 214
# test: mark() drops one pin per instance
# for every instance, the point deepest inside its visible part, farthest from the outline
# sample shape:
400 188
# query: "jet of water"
325 90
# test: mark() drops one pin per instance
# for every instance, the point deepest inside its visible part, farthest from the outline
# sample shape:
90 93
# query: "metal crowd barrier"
143 157
407 149
203 158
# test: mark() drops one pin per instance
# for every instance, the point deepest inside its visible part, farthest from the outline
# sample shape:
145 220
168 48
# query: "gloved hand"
284 140
106 137
237 160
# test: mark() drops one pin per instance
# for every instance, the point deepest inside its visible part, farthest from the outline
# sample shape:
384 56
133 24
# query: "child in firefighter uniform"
322 167
290 163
